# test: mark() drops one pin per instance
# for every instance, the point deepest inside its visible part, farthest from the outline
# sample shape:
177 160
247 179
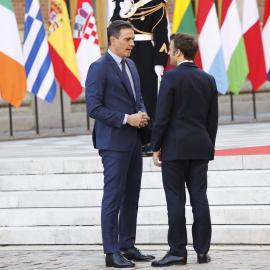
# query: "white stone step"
72 165
237 178
148 197
90 216
72 235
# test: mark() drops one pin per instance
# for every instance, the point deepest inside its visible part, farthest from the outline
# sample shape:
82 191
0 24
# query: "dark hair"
115 27
186 43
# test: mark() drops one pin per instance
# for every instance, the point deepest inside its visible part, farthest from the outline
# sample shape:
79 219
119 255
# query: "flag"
266 36
233 46
183 21
111 6
62 50
210 44
85 38
38 65
12 71
253 41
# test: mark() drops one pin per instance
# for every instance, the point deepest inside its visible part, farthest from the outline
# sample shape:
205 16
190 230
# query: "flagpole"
254 105
88 123
62 111
10 123
232 112
36 115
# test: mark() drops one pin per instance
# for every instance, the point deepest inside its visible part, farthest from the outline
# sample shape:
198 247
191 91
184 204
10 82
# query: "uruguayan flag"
38 66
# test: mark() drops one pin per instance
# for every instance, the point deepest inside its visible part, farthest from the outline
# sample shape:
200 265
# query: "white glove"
125 6
159 71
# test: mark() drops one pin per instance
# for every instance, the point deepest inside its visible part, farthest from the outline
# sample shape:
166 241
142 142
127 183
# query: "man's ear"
112 39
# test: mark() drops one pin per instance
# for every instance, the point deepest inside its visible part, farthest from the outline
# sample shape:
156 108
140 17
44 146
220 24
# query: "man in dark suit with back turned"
183 138
114 100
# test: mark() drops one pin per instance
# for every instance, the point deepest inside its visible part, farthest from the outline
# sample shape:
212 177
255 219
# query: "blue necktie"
126 78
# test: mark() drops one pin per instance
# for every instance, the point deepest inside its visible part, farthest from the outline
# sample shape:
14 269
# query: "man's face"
123 45
173 57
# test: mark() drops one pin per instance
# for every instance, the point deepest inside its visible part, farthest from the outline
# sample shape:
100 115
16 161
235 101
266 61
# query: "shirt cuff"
125 119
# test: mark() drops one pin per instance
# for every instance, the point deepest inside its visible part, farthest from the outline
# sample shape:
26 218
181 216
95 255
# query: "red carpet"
256 150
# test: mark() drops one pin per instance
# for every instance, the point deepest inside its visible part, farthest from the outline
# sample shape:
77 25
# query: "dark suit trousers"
194 173
122 183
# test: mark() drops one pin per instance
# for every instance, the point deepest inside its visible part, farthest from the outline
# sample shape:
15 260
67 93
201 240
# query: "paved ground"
87 257
229 136
91 257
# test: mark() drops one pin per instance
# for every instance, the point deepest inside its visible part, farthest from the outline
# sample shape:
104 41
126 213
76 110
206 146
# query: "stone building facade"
75 112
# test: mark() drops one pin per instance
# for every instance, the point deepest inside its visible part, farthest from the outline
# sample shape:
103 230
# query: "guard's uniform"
150 22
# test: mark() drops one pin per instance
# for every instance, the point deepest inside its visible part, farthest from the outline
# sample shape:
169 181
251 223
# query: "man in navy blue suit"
183 138
114 100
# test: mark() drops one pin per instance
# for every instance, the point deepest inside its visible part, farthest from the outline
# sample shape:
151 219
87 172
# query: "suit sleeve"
96 84
212 116
163 112
160 32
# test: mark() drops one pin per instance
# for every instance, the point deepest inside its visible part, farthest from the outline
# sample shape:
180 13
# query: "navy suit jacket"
108 100
186 114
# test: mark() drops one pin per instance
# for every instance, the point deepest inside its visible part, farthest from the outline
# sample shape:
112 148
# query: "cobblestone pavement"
228 136
233 257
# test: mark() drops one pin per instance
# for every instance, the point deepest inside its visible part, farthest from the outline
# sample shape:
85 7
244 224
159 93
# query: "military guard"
149 18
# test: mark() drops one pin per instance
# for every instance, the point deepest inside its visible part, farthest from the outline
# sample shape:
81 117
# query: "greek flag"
38 66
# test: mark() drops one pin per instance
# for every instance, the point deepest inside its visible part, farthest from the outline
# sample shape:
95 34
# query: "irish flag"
12 71
253 41
210 44
233 46
266 36
85 38
62 50
183 21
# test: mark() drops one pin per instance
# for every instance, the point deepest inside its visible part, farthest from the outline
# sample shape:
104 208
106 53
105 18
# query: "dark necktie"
126 78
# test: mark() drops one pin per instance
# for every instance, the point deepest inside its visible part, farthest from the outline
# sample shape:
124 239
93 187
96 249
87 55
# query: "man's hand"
159 71
138 119
157 158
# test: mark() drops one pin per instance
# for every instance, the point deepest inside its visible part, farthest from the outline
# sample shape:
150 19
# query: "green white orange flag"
12 71
62 50
233 46
183 21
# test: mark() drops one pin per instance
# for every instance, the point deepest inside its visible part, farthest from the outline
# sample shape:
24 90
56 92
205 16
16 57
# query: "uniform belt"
142 37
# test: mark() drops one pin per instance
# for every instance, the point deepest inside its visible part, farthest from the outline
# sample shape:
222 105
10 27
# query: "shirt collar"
116 58
184 62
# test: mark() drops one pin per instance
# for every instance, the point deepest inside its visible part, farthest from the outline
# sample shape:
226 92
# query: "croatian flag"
85 38
266 36
210 44
38 65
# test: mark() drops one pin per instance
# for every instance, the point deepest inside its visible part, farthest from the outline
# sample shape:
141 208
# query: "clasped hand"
139 119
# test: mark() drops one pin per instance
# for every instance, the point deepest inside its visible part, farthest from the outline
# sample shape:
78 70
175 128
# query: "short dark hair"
186 43
115 27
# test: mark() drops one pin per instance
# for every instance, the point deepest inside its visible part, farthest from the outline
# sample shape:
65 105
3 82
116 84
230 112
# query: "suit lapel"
119 73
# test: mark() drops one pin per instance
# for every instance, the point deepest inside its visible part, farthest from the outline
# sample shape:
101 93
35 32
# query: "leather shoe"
118 260
203 258
136 255
168 260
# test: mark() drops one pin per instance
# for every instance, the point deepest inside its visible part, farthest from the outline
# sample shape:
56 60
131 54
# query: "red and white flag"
253 41
85 38
266 36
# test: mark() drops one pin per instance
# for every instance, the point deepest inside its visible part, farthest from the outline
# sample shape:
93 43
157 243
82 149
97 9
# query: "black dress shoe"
147 152
168 260
118 260
203 258
136 255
